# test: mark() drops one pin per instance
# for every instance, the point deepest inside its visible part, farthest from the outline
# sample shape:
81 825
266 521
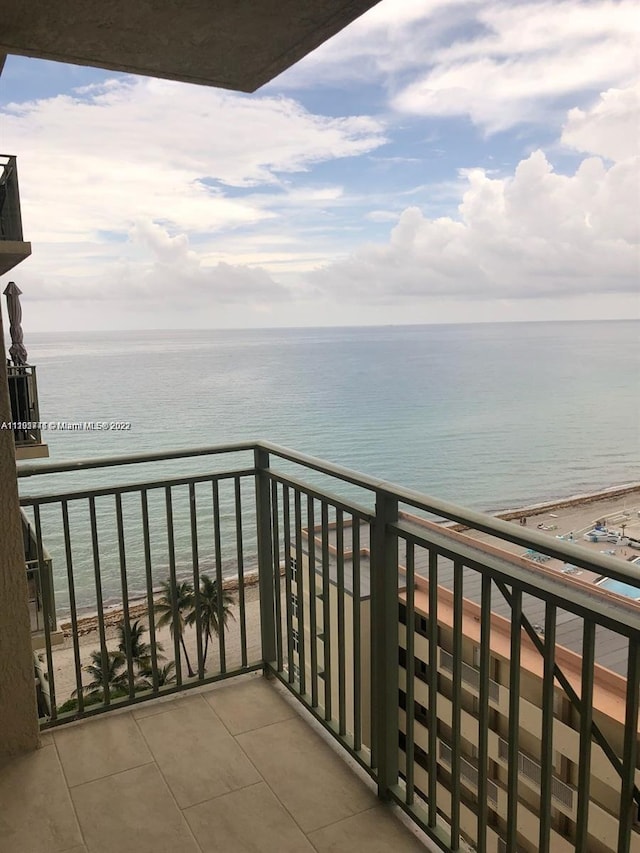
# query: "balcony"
25 412
13 248
429 654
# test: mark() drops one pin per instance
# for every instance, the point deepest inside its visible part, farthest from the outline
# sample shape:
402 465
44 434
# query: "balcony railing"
25 411
277 561
10 216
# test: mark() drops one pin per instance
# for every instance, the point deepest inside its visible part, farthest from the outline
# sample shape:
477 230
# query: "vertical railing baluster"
104 654
288 579
68 552
586 719
266 566
326 612
433 689
456 715
277 577
373 657
410 672
151 612
342 688
514 718
300 591
546 734
384 592
483 712
313 626
240 562
126 626
357 635
630 749
178 627
46 612
219 580
195 562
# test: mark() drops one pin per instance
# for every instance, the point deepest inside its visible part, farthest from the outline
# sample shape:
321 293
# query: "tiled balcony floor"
231 769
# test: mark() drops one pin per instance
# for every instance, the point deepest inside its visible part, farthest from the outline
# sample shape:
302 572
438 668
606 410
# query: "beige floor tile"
132 812
36 814
160 706
247 821
312 782
248 705
80 849
196 754
101 747
374 831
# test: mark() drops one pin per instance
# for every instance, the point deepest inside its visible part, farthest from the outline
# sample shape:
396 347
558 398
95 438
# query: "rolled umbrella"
17 349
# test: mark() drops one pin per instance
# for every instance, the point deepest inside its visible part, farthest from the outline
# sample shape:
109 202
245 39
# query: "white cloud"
382 216
527 58
166 270
497 63
114 177
610 129
532 235
156 150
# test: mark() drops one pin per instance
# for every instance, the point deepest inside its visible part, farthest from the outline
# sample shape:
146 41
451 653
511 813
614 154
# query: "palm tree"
208 610
139 650
180 596
113 678
166 675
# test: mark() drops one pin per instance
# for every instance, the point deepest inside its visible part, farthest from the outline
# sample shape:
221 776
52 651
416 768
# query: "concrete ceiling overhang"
233 44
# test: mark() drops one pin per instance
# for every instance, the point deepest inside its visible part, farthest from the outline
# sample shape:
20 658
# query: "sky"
437 161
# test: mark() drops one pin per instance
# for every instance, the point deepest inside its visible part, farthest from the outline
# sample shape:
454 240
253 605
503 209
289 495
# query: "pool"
620 588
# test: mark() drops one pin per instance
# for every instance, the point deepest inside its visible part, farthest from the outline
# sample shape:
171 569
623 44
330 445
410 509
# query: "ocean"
488 416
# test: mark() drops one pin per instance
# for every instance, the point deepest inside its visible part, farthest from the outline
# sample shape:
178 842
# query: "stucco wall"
18 716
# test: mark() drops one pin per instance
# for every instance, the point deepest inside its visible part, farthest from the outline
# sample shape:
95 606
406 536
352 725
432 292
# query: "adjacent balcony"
13 248
467 683
25 412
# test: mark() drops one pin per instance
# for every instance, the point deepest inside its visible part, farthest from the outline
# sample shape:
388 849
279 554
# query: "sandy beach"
571 518
573 515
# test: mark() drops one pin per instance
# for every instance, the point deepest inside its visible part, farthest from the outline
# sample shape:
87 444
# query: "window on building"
420 713
421 670
294 606
295 640
422 625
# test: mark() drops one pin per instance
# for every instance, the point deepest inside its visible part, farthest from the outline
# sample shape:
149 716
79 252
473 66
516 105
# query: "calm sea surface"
487 416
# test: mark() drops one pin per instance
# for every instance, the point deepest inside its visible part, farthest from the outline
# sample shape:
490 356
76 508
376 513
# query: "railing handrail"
133 459
609 566
571 553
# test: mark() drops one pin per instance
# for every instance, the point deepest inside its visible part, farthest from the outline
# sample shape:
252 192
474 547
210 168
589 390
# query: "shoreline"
138 608
581 499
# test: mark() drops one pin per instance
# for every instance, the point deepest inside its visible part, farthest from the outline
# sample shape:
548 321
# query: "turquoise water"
487 416
620 588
